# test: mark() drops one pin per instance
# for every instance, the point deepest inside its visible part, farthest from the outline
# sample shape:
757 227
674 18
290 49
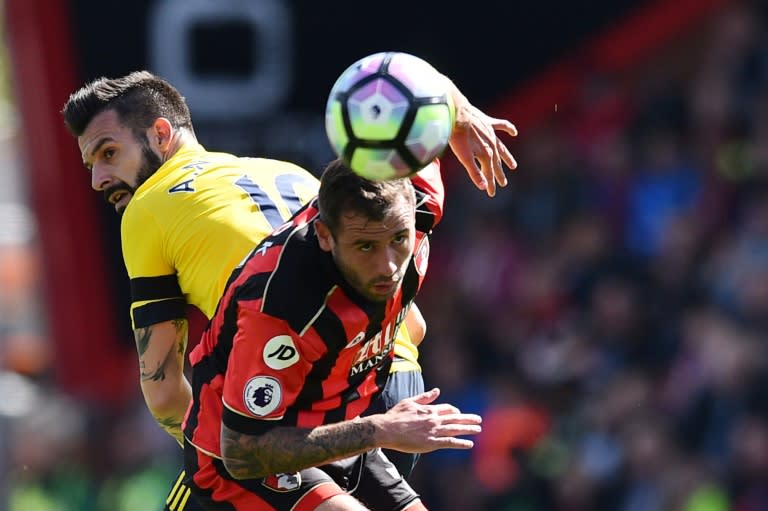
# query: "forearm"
161 349
460 101
168 411
286 449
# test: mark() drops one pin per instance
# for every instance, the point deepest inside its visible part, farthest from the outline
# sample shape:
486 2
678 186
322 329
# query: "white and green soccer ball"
389 115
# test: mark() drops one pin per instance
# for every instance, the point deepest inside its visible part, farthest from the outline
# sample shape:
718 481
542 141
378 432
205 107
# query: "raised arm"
477 146
166 390
413 425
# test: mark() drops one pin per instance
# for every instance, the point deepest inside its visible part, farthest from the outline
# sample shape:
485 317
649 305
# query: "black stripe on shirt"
331 330
155 288
245 425
157 312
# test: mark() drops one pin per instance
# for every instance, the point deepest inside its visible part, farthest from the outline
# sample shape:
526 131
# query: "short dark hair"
343 191
138 98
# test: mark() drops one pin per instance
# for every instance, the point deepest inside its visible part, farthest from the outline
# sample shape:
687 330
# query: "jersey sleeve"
155 292
430 196
267 369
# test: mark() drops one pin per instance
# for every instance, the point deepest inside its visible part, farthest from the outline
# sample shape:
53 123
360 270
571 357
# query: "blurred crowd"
606 313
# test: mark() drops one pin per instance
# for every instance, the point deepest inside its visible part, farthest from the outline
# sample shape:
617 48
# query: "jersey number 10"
289 198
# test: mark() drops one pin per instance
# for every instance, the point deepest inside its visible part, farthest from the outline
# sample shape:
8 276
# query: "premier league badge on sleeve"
262 395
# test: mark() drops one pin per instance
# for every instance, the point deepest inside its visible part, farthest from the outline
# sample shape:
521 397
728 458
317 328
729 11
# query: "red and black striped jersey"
292 344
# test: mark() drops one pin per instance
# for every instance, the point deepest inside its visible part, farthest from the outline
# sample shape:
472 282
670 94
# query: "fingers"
452 443
504 125
450 430
506 156
471 419
445 409
485 162
427 397
489 160
419 426
445 435
467 159
491 154
476 143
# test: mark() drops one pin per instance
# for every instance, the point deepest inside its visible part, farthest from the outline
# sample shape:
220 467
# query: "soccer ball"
389 115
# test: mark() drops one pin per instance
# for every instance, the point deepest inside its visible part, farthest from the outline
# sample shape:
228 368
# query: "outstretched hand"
478 147
416 425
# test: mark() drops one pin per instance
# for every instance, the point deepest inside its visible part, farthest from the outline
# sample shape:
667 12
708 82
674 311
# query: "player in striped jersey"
302 343
189 217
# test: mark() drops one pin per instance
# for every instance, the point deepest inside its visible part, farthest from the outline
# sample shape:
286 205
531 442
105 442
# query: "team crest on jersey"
280 352
421 257
282 482
262 395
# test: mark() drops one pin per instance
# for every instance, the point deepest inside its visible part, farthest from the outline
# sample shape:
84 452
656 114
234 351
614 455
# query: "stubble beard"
150 163
363 288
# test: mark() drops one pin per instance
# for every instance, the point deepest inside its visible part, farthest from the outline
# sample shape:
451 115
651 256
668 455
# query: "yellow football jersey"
193 221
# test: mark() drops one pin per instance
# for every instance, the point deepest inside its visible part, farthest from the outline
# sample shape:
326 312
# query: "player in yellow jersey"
189 217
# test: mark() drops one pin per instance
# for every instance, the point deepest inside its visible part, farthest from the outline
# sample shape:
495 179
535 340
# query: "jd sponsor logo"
280 352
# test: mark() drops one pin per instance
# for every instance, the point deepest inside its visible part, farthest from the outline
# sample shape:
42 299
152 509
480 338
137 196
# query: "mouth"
120 199
385 288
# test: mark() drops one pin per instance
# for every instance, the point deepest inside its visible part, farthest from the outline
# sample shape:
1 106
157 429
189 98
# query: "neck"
179 139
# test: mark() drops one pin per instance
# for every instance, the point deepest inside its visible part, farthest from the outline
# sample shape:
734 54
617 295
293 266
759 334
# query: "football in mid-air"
389 115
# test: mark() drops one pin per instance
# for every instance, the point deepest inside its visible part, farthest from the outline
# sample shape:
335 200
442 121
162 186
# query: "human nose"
388 262
99 178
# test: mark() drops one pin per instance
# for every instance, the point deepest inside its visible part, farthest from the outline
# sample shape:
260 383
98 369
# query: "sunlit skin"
372 256
120 162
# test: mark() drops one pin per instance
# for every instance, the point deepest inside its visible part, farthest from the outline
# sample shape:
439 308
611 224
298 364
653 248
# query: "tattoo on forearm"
172 425
142 336
285 449
182 327
157 375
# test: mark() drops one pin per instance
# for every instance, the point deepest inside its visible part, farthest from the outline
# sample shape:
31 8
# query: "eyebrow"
101 142
362 241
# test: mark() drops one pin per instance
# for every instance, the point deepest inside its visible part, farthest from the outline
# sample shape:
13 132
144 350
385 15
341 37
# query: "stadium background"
606 312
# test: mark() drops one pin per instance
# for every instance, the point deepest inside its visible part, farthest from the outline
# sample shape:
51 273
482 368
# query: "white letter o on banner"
170 27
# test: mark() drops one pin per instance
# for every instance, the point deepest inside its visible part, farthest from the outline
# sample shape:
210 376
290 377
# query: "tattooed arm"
413 425
286 449
166 390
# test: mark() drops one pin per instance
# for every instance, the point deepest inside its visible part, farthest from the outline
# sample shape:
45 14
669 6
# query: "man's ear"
324 236
161 134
